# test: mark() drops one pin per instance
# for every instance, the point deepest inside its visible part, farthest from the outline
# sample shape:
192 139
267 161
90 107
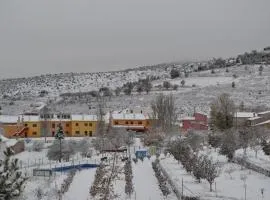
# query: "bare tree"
147 85
164 111
100 112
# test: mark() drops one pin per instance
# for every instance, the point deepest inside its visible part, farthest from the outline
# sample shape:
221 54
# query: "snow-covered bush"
65 185
57 153
161 178
97 184
37 145
128 178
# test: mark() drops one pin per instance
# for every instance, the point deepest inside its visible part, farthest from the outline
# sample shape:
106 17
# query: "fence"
176 188
249 165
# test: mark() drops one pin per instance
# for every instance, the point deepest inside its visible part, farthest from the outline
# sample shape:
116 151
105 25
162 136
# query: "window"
131 122
140 122
85 124
42 116
90 133
67 125
34 133
126 122
53 125
34 125
77 124
67 132
25 125
90 124
58 116
116 123
77 132
85 133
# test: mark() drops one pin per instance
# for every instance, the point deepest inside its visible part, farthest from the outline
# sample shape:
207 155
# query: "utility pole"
245 186
182 195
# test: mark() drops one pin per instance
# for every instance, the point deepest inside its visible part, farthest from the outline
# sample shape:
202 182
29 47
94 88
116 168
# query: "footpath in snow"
145 182
80 186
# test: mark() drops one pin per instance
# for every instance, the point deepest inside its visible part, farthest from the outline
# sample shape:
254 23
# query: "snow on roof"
137 116
141 150
83 117
265 112
187 118
8 119
129 127
30 118
245 114
262 123
254 118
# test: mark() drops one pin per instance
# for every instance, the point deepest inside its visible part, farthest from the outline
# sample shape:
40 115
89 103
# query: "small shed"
141 153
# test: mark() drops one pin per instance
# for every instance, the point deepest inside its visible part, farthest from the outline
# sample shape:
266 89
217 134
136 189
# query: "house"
252 119
197 122
262 119
130 121
240 118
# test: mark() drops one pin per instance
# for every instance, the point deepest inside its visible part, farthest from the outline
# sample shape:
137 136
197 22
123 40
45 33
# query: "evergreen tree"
174 73
11 179
60 136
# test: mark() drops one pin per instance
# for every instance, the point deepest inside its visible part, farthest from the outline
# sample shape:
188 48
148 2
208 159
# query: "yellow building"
83 125
130 121
32 125
47 125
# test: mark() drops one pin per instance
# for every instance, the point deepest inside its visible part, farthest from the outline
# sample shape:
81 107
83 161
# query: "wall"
33 129
83 128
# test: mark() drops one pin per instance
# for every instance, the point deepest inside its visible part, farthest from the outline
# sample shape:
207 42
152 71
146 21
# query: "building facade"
130 121
47 125
197 122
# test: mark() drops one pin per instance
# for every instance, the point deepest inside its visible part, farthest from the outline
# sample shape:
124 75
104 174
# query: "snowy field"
251 87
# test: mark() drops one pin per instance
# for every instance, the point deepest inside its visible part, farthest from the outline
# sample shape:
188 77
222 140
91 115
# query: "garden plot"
229 184
260 160
43 188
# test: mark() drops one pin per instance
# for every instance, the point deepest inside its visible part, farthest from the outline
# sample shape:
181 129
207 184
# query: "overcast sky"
52 36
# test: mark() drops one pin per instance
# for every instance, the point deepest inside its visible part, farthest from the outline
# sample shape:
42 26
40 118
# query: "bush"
37 145
166 84
174 73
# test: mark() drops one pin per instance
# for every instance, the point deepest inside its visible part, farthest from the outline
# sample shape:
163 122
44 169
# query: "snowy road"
80 186
145 182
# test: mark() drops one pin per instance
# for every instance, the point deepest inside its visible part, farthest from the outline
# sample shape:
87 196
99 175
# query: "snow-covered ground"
228 185
260 160
46 186
145 182
80 186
